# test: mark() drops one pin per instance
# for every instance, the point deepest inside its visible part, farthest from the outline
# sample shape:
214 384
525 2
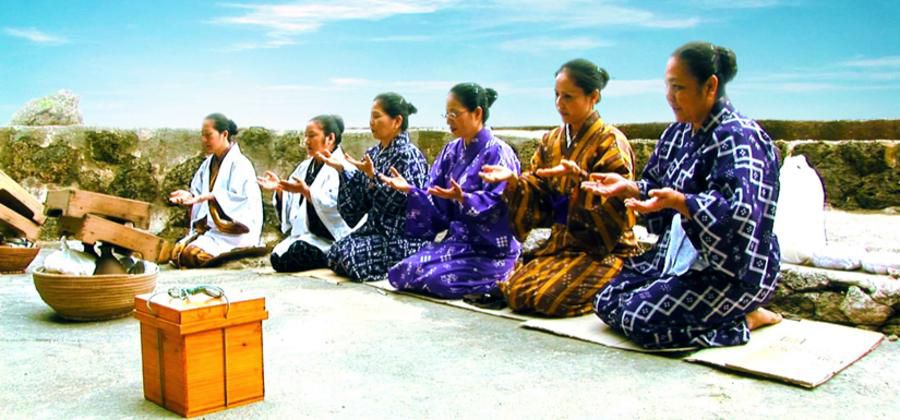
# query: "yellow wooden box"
197 358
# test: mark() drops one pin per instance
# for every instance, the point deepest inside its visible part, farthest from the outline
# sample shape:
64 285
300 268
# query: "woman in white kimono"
226 203
307 202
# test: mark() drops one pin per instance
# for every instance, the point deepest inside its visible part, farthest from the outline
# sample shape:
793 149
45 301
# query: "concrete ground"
349 351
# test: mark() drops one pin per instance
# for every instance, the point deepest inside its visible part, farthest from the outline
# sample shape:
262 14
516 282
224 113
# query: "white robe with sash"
239 197
324 194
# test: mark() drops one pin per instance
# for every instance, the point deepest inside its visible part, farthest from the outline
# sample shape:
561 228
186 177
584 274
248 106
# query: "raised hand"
610 185
661 199
366 165
496 173
269 181
185 198
455 192
295 185
327 158
565 168
395 181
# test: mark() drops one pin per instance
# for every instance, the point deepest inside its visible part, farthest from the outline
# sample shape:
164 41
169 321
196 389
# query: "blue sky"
168 63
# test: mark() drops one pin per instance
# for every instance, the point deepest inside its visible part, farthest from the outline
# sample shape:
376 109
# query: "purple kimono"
480 248
708 271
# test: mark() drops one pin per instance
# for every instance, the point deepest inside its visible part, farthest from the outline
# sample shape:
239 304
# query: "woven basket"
93 298
16 260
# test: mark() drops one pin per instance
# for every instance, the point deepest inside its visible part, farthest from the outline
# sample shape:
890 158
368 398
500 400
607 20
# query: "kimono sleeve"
529 203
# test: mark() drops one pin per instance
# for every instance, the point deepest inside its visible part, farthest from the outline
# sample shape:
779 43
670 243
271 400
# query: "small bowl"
16 259
93 298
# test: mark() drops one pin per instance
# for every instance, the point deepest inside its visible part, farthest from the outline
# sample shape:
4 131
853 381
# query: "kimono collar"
230 153
402 139
481 139
720 109
591 119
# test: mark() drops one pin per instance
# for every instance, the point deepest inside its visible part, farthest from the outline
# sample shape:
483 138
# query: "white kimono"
239 197
324 194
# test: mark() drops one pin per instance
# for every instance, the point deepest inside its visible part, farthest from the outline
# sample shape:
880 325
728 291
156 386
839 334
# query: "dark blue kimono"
695 288
367 253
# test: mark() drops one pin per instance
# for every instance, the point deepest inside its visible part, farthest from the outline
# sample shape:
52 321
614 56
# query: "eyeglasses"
453 114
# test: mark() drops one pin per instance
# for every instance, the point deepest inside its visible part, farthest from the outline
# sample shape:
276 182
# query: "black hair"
395 105
587 75
472 96
705 60
222 123
331 124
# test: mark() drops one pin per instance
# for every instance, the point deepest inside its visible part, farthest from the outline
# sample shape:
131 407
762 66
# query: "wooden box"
76 204
196 358
17 199
19 223
91 229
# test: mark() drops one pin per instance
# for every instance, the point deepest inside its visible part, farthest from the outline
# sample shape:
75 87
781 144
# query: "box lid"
199 312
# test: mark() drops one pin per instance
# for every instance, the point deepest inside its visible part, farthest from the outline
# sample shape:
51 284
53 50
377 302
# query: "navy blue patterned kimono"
480 248
728 172
367 253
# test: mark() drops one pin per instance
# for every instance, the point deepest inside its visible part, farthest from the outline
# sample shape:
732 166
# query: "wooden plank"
150 360
244 363
92 229
13 196
205 371
19 223
76 204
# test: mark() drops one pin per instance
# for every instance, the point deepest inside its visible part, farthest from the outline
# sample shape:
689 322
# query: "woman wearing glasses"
480 248
367 253
590 235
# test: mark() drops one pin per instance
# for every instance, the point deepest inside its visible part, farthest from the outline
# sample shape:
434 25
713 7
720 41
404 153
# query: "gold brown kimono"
590 235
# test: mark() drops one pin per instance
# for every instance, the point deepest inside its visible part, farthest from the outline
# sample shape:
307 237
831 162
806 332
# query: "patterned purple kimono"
708 271
480 248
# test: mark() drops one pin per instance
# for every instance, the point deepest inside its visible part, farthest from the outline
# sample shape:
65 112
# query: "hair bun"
726 61
491 96
339 122
411 109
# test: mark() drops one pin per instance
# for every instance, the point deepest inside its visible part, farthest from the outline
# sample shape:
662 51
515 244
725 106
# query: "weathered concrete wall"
148 164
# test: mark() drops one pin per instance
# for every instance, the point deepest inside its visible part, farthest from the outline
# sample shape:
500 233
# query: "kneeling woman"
367 253
709 191
306 203
480 248
589 236
226 204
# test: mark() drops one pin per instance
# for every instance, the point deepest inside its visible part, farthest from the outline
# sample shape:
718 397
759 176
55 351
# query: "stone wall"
147 164
850 298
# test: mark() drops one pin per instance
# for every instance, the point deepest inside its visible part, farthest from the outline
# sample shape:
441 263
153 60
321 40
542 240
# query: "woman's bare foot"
762 317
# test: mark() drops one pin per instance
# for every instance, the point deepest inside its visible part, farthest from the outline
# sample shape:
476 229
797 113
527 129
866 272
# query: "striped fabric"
589 234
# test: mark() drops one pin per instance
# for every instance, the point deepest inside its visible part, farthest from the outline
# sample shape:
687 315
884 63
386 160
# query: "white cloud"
285 21
537 44
737 4
889 61
402 38
36 36
349 81
581 14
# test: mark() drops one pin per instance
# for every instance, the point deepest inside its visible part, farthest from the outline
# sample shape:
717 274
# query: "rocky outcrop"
851 298
60 108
